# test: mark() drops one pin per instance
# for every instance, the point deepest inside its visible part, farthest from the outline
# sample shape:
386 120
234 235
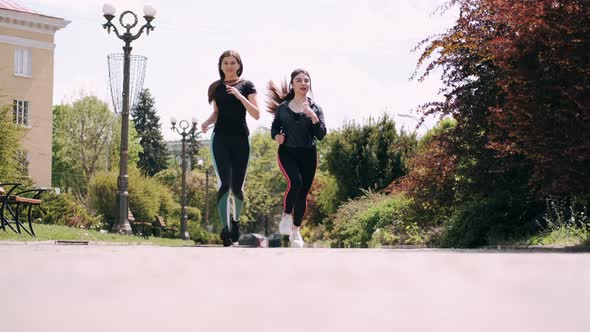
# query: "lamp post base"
125 228
186 236
122 225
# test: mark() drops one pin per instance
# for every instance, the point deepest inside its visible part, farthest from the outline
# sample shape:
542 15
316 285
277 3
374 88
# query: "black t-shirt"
231 117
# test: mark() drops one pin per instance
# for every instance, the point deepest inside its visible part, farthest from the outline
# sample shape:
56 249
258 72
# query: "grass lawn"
564 236
54 233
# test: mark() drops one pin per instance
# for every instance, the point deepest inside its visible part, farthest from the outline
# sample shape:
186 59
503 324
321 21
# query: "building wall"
38 90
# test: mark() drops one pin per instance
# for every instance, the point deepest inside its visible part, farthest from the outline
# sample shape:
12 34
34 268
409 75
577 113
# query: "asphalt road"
47 287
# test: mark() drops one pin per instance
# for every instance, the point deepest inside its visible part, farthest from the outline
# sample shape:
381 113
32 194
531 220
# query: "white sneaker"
295 238
286 224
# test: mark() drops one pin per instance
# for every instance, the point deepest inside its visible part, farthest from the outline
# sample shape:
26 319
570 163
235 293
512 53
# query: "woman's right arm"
211 120
275 129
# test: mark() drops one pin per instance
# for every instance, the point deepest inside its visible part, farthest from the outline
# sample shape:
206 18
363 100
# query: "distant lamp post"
413 117
185 130
122 222
201 165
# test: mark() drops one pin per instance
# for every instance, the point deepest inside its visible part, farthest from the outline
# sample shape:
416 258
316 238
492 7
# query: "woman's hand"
204 127
280 138
233 91
309 112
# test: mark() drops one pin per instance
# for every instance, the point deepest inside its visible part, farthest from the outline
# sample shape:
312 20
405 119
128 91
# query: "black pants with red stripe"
298 166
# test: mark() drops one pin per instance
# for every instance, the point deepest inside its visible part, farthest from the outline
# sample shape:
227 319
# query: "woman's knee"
238 193
223 189
296 183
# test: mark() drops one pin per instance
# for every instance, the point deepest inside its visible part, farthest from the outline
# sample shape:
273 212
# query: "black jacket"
299 131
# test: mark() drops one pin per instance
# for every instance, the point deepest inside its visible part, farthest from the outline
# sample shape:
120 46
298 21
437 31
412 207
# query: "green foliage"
502 218
86 140
561 212
195 190
153 157
134 148
515 77
198 233
368 156
64 171
322 200
193 214
564 222
11 136
374 220
63 209
434 177
442 127
326 198
81 133
474 176
192 149
265 184
147 197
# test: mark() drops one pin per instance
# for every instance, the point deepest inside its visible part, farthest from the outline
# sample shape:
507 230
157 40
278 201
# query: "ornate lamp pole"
184 131
122 222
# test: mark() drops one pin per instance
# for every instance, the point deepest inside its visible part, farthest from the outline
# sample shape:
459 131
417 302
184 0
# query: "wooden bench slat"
19 199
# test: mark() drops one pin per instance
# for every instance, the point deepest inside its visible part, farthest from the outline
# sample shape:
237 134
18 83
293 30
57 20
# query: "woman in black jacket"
298 123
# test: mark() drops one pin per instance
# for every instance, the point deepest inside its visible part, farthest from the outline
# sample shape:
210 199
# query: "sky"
358 53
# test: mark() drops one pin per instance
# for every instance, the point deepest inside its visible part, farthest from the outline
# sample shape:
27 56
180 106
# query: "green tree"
192 149
86 140
134 148
195 186
265 184
81 136
368 156
63 172
154 156
461 175
147 197
10 146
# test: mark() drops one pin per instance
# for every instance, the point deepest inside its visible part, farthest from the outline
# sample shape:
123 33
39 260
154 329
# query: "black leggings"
230 159
298 166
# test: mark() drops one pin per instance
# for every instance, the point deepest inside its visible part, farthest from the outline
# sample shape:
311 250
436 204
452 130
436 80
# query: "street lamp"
413 117
122 222
201 163
184 131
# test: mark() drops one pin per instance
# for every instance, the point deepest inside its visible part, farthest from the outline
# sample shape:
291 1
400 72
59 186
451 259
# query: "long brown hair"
277 95
215 84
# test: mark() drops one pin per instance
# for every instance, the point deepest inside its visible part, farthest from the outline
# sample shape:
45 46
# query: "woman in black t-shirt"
298 123
232 97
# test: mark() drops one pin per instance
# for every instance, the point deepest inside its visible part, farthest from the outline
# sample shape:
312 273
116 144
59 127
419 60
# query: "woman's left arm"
317 120
319 127
250 102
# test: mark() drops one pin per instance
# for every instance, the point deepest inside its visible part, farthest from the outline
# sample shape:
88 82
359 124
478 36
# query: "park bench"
163 229
12 203
141 228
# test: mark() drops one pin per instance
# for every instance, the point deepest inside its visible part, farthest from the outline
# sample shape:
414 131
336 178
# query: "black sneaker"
235 230
225 237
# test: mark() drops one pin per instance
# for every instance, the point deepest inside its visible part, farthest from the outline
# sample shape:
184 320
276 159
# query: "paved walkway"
144 288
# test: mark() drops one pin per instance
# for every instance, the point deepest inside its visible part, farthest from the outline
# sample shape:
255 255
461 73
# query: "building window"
22 62
21 112
23 162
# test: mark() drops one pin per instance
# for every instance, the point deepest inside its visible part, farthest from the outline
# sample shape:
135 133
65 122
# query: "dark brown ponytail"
276 95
